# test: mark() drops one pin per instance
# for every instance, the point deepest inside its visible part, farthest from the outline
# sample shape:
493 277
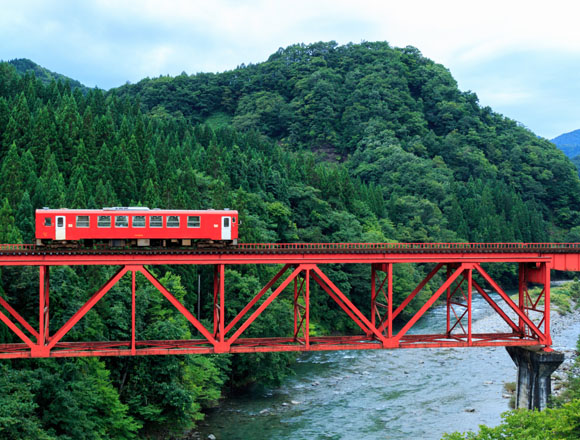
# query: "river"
381 394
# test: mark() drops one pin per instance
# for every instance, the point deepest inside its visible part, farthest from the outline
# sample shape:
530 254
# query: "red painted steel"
455 275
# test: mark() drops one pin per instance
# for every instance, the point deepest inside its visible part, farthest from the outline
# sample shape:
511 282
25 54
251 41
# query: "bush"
561 423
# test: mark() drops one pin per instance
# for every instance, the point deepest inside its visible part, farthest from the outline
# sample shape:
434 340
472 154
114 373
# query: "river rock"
211 437
295 402
265 411
469 409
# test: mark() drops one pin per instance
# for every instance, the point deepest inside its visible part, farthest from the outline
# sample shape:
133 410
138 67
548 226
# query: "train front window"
193 221
104 221
47 221
121 221
155 221
138 221
173 221
82 221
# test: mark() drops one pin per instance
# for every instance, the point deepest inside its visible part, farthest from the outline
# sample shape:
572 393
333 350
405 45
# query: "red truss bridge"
456 274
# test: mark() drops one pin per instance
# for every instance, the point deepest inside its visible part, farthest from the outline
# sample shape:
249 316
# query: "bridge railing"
370 246
408 246
17 247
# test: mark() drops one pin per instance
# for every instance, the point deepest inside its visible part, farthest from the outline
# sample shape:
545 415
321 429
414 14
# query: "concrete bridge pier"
534 384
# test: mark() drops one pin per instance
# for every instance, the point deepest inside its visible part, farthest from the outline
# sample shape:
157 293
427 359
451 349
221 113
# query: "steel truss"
527 318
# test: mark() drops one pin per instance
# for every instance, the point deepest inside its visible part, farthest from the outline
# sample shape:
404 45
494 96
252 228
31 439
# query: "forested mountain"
569 143
321 143
24 66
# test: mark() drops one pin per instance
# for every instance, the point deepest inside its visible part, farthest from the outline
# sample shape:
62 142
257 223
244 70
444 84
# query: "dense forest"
320 143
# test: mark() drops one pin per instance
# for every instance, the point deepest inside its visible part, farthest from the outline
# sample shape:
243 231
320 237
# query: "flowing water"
380 394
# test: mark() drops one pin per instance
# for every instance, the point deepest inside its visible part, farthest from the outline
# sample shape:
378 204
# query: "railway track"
302 248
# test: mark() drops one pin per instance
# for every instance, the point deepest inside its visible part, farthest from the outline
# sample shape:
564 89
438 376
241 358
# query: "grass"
563 298
218 120
510 387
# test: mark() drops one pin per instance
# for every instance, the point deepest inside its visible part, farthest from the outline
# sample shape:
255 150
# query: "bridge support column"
534 384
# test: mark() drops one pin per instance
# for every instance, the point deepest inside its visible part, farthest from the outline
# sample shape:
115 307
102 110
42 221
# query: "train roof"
135 210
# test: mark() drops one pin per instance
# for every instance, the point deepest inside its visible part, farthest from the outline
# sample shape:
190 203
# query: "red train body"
136 226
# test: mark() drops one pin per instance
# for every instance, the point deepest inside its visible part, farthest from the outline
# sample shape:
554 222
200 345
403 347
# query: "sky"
521 58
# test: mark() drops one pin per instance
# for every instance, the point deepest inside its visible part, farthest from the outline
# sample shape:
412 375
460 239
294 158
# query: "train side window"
233 219
47 221
82 221
104 221
193 221
138 221
226 222
121 221
173 221
156 221
60 222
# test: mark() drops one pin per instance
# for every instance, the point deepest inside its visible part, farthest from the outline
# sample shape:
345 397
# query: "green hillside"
321 143
25 66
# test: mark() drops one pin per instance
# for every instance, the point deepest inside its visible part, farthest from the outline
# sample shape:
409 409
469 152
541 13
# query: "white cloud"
506 96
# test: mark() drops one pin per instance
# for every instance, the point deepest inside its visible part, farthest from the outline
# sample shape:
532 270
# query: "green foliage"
79 402
18 408
25 66
62 400
562 423
9 232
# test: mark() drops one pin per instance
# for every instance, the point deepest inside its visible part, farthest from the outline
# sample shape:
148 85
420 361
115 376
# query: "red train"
135 227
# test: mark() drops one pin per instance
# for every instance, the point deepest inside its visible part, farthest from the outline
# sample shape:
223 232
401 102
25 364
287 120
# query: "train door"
60 228
226 228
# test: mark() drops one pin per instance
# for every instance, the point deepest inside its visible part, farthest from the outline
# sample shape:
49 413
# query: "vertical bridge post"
43 307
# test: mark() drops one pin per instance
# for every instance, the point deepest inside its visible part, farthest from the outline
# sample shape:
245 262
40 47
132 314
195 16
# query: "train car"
135 226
